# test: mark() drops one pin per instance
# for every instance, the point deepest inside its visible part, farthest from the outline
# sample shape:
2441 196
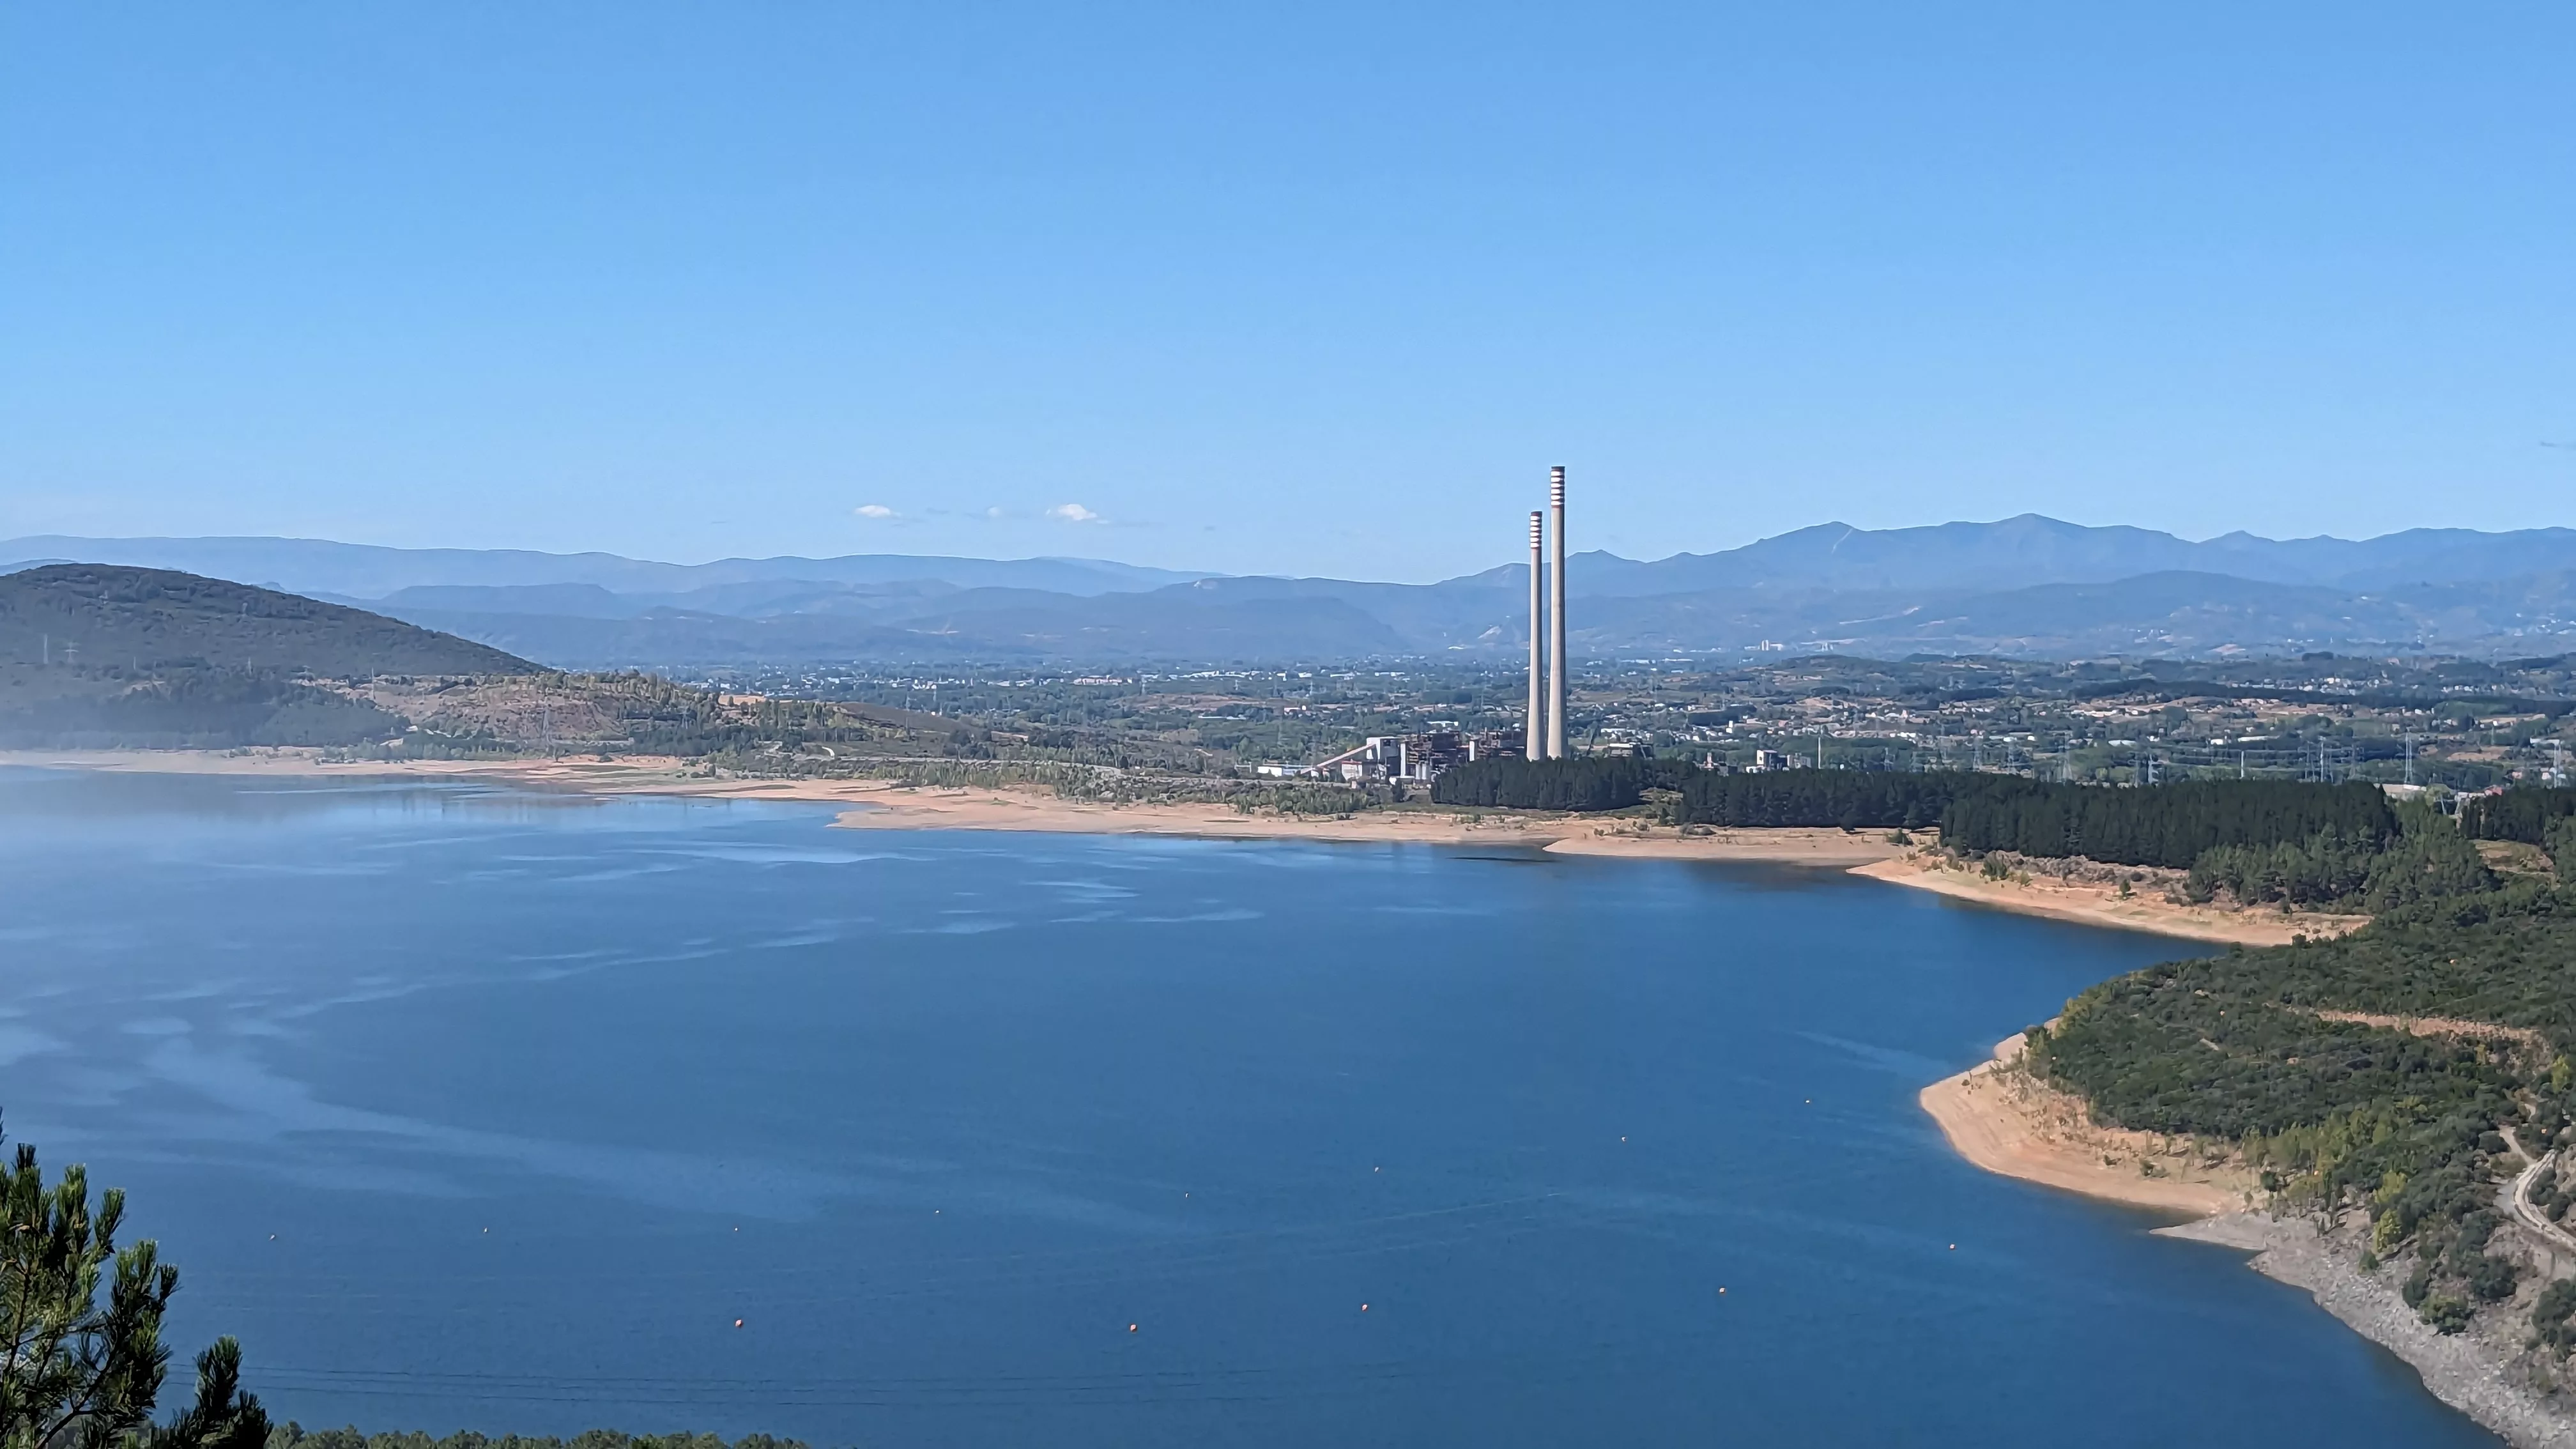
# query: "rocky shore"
2481 1372
1997 1117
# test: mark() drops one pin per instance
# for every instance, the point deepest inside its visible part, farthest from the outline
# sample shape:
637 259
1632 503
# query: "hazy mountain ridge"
369 571
2031 550
2028 585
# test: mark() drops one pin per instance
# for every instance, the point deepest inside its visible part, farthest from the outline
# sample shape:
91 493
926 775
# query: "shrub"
2446 1313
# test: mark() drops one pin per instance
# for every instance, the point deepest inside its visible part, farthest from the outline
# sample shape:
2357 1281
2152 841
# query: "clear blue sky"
1278 288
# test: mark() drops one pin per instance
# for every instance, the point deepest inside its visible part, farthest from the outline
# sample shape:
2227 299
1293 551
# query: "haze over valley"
2026 587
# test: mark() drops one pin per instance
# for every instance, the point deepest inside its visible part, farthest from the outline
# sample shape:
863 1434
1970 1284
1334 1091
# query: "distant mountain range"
2030 550
2027 586
322 568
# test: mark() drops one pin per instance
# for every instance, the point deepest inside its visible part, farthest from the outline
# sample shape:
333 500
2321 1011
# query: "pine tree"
78 1376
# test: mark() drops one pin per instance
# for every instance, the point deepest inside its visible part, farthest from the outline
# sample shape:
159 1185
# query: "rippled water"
477 1109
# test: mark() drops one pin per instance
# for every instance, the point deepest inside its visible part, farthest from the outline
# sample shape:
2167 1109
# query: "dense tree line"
2559 840
2161 825
2284 839
2428 860
1853 799
2523 813
1591 783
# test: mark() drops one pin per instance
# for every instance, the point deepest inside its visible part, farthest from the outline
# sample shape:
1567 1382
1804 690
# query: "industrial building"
1420 758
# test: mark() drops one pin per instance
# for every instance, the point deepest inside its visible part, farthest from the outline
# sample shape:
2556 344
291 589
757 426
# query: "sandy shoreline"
2099 905
900 808
1997 1117
884 805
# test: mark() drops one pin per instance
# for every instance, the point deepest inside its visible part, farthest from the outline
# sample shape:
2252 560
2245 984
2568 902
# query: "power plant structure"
1389 759
1401 760
1547 622
1538 608
1556 618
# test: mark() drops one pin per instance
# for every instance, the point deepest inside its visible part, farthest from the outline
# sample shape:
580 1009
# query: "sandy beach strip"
1998 1118
887 805
2099 905
900 808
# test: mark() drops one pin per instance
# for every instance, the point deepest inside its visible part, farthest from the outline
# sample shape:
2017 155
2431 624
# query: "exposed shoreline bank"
886 805
2000 1120
2465 1371
2096 904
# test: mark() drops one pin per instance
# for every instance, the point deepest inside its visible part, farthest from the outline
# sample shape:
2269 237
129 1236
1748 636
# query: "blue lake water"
474 1109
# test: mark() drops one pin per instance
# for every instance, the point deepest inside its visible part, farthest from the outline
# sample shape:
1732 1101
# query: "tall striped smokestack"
1538 641
1556 620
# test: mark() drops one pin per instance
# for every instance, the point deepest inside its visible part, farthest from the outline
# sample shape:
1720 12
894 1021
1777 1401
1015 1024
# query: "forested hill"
93 656
148 621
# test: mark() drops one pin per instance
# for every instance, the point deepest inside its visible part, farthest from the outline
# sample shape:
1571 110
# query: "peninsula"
2380 1115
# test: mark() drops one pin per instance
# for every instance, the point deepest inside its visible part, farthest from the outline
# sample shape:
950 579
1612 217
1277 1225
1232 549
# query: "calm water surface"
475 1109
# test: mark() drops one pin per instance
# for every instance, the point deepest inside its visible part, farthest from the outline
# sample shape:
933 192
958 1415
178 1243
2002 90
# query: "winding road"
2524 1209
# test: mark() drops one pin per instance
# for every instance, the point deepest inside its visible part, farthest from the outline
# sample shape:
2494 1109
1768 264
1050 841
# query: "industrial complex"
1420 758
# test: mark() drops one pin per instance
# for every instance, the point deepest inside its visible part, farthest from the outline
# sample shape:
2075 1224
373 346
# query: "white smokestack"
1556 621
1538 637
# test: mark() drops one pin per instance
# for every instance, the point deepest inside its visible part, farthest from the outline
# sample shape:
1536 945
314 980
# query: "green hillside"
123 658
150 620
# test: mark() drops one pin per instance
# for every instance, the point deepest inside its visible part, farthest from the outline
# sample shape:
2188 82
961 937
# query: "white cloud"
1073 513
877 511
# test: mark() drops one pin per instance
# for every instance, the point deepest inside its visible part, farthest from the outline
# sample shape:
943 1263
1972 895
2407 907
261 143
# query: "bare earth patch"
2442 1026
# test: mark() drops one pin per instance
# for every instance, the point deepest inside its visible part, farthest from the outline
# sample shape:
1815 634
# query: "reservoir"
473 1109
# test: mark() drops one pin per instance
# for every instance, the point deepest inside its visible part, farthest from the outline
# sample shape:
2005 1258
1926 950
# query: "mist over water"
467 1108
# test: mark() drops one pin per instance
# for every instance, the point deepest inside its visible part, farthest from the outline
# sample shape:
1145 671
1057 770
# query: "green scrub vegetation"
2297 1056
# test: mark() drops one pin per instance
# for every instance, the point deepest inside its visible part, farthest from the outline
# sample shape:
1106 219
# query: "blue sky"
1306 289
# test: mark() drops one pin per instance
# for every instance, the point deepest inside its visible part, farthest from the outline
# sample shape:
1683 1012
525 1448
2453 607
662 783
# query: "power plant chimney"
1538 637
1556 621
